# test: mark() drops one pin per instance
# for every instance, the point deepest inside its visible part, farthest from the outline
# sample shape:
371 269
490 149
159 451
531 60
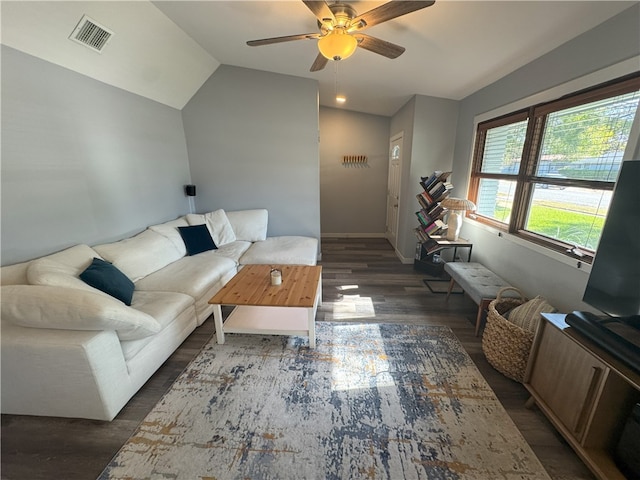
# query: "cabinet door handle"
588 402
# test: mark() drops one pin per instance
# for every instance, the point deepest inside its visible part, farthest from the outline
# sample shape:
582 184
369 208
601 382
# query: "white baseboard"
353 235
405 260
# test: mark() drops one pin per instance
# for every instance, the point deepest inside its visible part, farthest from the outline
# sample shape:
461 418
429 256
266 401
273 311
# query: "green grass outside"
564 225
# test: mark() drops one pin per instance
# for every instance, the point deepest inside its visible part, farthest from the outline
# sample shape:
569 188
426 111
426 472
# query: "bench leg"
452 284
478 319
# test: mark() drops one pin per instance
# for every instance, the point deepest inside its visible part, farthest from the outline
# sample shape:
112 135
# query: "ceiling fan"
341 29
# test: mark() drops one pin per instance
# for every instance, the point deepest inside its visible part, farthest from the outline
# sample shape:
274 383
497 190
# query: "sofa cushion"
217 223
190 275
140 255
45 271
78 257
170 231
234 250
197 239
108 279
249 225
164 307
289 250
41 306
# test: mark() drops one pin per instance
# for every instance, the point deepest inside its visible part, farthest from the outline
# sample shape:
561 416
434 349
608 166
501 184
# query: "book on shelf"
436 228
425 200
424 218
431 246
427 221
432 207
433 187
436 211
431 212
438 175
426 185
438 190
423 237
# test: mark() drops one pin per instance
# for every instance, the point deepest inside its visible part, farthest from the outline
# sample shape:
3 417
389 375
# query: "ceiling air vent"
91 34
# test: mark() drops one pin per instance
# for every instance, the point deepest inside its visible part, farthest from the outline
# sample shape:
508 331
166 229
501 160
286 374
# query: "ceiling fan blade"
381 47
288 38
319 63
389 11
320 9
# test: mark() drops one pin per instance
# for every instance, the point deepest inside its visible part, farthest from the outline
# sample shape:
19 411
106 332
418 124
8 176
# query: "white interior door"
393 188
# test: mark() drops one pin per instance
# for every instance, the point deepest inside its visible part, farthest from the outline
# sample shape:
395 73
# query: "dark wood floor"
363 281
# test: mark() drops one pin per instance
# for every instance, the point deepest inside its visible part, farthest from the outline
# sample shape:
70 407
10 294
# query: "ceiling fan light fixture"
337 45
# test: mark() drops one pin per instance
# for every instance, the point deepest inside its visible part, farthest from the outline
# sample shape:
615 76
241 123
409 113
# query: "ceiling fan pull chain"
339 98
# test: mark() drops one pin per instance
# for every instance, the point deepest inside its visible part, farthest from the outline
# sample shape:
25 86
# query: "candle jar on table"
276 277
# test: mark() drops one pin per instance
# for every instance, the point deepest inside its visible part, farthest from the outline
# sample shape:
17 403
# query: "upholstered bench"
477 281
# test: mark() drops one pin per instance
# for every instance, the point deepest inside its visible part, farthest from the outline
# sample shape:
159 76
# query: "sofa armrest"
62 373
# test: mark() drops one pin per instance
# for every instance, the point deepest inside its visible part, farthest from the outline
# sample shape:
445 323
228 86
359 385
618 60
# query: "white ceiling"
453 48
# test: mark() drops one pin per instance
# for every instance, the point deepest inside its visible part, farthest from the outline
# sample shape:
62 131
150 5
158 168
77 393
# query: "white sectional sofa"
71 350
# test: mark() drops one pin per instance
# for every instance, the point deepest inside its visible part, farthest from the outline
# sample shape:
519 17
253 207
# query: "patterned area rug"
373 401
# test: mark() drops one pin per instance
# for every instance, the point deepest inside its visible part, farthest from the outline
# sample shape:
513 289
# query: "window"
547 173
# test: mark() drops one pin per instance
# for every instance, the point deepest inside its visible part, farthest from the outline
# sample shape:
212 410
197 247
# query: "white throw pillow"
40 306
249 225
79 256
140 255
218 225
170 230
45 271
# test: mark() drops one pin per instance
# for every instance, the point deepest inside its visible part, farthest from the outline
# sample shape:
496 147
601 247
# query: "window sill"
557 256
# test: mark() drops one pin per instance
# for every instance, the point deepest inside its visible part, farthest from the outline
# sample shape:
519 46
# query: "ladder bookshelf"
435 189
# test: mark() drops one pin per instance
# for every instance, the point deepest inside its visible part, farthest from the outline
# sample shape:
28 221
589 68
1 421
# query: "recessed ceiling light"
341 98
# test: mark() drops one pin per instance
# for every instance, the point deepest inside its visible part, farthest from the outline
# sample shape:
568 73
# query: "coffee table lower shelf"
262 320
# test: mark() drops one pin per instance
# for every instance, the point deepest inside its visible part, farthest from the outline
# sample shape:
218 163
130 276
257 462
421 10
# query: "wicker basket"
505 344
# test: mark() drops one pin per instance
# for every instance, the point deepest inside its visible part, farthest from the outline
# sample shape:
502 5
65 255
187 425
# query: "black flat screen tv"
613 286
614 282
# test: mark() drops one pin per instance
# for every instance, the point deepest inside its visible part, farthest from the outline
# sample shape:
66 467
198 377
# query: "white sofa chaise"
71 350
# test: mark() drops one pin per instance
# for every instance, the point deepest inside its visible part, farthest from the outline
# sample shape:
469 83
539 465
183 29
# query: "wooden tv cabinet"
585 392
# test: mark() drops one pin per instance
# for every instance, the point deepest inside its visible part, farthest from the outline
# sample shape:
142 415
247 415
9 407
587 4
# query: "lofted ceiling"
165 50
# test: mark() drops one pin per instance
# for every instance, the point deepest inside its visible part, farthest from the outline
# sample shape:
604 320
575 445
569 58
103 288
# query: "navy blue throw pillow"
107 278
197 239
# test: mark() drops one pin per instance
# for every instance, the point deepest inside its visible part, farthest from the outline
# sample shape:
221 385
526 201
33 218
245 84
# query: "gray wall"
403 123
82 162
429 128
536 273
252 139
353 198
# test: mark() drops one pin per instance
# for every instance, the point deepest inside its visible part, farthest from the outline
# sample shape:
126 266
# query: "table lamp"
457 207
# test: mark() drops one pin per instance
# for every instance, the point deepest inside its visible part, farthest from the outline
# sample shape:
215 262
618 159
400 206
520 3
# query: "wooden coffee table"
261 308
